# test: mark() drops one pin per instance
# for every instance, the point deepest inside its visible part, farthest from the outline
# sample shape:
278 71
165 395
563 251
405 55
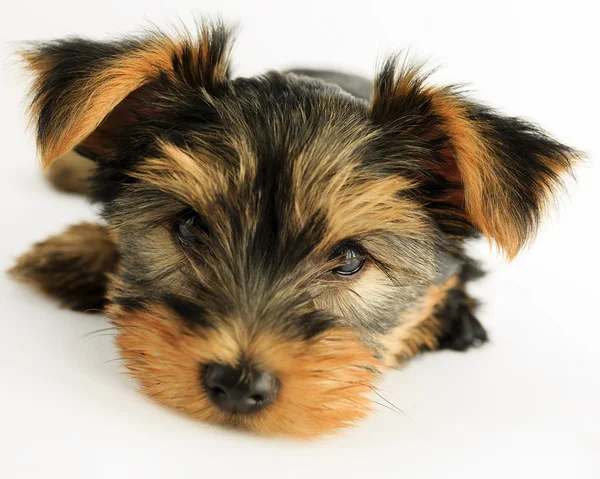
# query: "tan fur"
477 163
93 99
194 180
354 202
70 173
485 197
474 160
419 328
324 382
358 207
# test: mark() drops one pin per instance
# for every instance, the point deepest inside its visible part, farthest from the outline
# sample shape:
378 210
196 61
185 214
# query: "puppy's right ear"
85 92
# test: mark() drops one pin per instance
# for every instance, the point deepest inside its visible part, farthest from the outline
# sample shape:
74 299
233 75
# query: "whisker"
392 404
385 406
355 293
87 335
118 359
114 335
372 411
386 271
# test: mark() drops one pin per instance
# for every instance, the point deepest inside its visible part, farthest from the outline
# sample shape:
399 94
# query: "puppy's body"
276 241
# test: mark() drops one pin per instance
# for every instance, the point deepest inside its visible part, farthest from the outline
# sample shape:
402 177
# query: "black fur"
461 329
192 312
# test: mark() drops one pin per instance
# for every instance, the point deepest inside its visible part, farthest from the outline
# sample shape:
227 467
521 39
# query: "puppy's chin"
324 382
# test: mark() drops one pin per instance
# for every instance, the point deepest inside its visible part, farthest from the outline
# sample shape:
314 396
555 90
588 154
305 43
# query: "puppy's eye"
352 258
189 227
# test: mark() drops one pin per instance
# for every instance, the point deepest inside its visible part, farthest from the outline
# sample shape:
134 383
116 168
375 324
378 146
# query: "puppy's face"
273 230
269 241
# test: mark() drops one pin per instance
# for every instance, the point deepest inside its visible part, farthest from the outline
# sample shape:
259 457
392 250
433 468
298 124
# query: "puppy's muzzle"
240 391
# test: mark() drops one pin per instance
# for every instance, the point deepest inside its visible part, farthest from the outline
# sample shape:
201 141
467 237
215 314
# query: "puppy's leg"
72 266
443 319
70 173
460 328
456 313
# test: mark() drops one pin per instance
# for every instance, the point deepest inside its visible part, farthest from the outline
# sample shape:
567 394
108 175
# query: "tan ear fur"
78 83
503 172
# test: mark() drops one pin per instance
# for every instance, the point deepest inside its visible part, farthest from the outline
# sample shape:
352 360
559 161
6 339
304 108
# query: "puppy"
270 245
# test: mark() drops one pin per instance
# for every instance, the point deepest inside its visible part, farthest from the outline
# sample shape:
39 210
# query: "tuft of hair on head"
486 172
84 91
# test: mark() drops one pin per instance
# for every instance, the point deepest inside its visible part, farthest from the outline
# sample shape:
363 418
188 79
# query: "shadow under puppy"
271 244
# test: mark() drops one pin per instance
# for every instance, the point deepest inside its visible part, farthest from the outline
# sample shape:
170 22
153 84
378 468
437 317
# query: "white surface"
526 405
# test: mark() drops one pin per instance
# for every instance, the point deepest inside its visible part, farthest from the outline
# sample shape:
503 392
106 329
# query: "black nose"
239 390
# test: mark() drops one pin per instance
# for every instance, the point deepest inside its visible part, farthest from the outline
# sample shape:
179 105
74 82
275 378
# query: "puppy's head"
273 230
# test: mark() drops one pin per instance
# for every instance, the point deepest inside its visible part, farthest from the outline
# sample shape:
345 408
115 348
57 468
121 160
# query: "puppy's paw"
71 267
70 173
462 329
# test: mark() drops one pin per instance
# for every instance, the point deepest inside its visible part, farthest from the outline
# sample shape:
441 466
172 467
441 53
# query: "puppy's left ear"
86 93
479 171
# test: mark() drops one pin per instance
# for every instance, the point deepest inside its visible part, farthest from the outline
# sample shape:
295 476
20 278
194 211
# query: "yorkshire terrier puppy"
270 245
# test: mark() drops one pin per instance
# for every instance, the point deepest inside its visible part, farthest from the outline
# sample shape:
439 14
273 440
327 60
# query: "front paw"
71 267
462 329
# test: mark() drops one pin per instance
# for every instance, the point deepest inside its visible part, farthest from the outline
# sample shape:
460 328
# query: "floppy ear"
478 168
85 92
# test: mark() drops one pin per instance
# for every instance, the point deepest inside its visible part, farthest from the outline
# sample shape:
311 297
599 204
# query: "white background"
525 405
